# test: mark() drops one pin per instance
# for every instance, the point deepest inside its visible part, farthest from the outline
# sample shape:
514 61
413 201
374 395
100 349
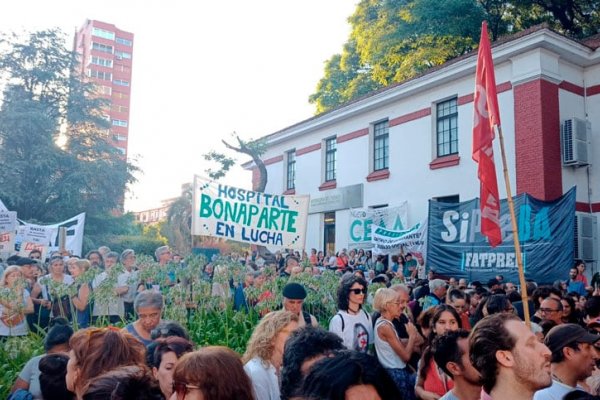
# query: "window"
119 122
330 150
447 127
122 54
105 90
103 33
291 170
118 108
122 68
121 82
105 62
105 76
119 138
122 150
120 95
102 47
381 145
124 42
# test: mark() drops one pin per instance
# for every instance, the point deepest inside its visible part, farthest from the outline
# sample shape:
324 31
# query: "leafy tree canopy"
56 157
394 40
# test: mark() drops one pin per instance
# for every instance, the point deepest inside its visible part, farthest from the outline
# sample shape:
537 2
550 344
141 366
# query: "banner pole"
515 228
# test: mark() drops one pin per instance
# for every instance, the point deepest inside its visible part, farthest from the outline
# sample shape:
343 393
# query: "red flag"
485 116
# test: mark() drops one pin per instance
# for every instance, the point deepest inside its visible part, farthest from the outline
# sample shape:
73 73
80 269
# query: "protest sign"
247 216
8 226
361 220
413 240
546 232
74 235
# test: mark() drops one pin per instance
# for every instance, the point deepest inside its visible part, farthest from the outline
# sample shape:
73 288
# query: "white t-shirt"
112 306
18 330
356 331
45 283
556 391
264 379
31 374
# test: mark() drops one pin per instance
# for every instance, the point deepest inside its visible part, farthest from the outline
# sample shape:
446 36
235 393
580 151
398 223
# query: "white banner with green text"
247 216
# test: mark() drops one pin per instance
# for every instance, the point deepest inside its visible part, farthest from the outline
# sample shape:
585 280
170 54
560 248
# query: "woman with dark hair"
214 373
348 375
164 359
432 382
570 313
124 383
96 351
352 323
56 341
53 368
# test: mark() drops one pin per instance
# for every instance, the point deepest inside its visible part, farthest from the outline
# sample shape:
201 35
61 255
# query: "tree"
56 158
252 148
177 227
395 40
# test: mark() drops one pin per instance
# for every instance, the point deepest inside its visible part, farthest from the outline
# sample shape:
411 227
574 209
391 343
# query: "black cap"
561 335
294 291
25 261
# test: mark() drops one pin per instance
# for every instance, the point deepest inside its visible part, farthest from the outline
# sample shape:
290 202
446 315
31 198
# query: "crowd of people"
417 336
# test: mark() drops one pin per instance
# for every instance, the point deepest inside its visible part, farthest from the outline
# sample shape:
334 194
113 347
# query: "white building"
412 141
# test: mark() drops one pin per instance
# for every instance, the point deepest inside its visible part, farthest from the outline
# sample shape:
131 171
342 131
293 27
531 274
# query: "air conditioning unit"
575 142
586 237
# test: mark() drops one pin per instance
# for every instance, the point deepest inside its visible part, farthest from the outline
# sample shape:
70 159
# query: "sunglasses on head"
358 291
182 388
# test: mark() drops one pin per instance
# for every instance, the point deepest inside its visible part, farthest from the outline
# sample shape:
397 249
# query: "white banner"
8 227
361 220
246 216
414 240
74 239
3 207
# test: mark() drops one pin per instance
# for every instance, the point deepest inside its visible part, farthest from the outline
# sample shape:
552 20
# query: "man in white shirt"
573 359
512 362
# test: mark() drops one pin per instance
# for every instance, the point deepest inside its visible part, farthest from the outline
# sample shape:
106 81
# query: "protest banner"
413 240
457 248
74 235
8 227
361 220
247 216
35 237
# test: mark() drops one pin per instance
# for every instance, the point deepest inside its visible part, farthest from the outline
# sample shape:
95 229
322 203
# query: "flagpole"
515 228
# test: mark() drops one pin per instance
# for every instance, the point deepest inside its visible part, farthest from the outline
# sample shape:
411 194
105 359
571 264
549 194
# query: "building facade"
412 141
106 60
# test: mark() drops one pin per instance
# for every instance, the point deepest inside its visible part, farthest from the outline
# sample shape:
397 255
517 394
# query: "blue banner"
457 249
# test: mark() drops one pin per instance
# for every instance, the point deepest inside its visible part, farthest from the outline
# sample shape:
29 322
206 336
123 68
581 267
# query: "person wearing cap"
573 360
293 299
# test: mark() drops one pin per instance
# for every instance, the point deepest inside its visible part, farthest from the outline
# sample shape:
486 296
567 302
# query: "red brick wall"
537 139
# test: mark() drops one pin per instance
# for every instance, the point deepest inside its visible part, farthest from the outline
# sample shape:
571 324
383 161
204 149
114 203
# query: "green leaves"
56 157
395 40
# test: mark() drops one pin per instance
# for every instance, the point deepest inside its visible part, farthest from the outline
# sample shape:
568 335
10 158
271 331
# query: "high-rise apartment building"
106 59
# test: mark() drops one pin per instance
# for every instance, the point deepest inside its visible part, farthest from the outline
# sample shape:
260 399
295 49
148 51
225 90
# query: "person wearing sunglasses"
352 323
214 373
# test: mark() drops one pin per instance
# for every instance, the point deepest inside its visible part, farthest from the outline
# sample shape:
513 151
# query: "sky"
203 70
